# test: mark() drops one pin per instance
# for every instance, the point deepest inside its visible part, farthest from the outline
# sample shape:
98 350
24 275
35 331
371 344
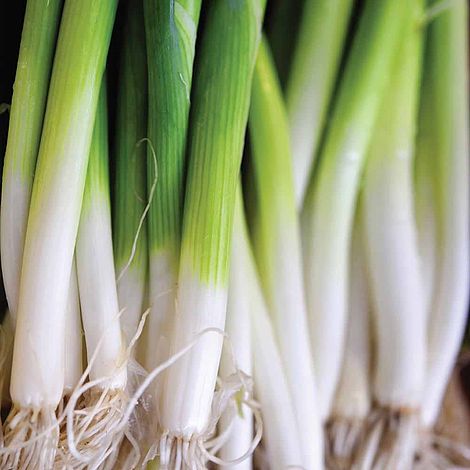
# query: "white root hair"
92 429
106 428
344 438
391 439
30 439
92 434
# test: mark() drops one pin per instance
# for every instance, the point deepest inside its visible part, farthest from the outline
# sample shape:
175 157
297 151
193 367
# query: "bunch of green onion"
221 247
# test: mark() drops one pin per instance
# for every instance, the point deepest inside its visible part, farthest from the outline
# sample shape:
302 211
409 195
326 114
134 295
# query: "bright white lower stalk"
281 434
24 132
426 201
277 250
98 294
393 256
26 119
170 28
73 337
238 328
327 217
228 51
130 253
352 400
38 359
311 81
426 218
446 87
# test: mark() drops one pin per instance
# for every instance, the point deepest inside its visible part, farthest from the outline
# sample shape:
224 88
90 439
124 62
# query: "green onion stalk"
92 431
38 40
276 235
34 69
219 113
281 436
171 28
393 257
37 380
348 421
130 195
327 216
237 358
443 145
311 82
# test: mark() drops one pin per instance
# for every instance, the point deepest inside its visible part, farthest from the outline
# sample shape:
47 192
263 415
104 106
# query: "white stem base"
189 385
98 296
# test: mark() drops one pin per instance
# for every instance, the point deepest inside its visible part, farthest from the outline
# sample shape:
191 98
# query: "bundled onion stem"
394 263
226 63
38 368
94 430
346 427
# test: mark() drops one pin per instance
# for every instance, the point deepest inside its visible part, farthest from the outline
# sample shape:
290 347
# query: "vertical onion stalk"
73 337
311 81
130 244
447 131
351 405
238 418
393 258
38 359
38 41
227 56
101 406
281 433
330 201
171 28
34 68
277 247
426 200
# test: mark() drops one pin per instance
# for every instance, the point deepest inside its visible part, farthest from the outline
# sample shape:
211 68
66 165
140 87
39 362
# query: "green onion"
315 64
445 96
38 360
330 200
238 355
73 337
28 105
352 402
225 66
130 244
277 248
171 28
100 310
24 132
393 256
281 432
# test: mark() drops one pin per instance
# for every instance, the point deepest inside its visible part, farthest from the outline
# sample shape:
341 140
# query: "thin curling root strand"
344 438
93 431
391 439
30 439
